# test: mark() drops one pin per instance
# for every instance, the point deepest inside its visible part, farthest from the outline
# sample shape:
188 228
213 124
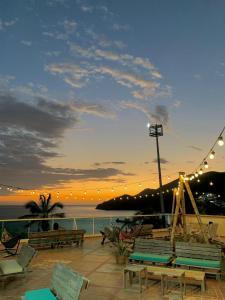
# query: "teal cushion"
150 257
211 264
10 267
43 294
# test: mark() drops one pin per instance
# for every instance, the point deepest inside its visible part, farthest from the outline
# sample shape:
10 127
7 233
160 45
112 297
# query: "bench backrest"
66 283
57 233
25 256
153 246
199 251
143 230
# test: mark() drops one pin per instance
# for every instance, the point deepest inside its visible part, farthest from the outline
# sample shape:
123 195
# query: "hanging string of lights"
210 155
71 192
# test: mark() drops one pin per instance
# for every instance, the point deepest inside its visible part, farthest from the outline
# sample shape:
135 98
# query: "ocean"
93 222
71 211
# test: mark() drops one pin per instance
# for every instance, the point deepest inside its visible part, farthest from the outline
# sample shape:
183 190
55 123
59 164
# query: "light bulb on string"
212 155
220 141
196 174
200 172
206 164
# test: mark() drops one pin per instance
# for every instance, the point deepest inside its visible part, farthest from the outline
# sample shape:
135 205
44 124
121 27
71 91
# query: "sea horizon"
75 210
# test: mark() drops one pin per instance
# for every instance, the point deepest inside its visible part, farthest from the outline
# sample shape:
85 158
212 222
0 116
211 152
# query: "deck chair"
66 284
17 267
11 244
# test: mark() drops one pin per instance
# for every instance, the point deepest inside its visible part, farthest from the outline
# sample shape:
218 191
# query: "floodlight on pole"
156 130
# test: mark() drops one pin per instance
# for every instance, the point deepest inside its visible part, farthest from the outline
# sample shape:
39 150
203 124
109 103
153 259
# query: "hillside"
148 199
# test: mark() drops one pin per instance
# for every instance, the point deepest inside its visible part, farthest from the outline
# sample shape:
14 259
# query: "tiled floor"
97 263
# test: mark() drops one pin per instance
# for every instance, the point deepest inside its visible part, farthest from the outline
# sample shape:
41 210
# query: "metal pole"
160 176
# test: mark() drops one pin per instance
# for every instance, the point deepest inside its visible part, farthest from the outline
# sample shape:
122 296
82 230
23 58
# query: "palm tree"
43 209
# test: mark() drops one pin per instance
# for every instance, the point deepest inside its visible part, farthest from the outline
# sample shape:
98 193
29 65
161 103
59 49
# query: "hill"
210 198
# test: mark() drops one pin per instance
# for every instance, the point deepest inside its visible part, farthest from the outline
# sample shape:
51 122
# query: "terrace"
97 263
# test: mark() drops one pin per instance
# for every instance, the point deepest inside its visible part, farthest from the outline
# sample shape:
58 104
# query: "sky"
79 81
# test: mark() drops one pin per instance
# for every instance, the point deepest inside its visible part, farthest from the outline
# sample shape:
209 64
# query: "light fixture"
212 154
196 174
220 141
211 183
200 171
206 164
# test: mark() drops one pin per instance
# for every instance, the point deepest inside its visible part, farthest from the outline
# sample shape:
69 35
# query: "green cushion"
10 267
150 257
43 294
211 264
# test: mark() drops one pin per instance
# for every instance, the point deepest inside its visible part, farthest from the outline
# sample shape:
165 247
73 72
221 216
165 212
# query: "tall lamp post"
156 130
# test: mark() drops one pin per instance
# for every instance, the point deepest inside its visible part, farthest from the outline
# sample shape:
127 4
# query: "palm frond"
55 205
33 207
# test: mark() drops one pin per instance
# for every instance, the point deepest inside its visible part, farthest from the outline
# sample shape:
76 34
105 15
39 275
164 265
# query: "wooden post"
175 214
195 210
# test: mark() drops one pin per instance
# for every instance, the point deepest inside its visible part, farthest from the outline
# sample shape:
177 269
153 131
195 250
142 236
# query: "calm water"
15 211
92 226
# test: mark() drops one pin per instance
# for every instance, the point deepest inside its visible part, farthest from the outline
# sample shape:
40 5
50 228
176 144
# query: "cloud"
138 95
87 8
30 134
5 24
156 74
120 27
110 163
43 118
123 59
67 28
92 108
129 77
53 53
159 115
26 43
195 148
77 78
162 161
54 3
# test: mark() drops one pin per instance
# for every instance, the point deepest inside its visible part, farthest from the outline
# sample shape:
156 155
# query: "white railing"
93 225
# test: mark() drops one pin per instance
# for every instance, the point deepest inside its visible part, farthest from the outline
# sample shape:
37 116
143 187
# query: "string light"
220 141
200 172
212 155
206 164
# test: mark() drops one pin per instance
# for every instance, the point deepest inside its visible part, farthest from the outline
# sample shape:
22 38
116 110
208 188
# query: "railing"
93 225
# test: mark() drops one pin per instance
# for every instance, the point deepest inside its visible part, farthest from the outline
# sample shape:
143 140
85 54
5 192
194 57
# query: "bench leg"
203 287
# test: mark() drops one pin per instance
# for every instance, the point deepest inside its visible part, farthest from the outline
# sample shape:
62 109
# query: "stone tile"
97 263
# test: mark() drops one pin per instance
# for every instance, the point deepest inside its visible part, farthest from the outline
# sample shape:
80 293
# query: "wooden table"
190 276
132 270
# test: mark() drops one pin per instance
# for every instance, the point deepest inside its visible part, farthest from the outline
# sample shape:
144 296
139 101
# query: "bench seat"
201 263
150 257
45 294
152 250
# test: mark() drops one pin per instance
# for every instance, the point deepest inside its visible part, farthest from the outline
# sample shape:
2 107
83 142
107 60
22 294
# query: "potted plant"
121 252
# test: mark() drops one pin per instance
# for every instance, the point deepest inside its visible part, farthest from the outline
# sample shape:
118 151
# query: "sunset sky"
79 81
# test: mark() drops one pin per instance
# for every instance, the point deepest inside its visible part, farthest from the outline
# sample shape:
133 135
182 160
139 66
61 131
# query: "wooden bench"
152 251
190 276
144 230
66 284
56 238
202 256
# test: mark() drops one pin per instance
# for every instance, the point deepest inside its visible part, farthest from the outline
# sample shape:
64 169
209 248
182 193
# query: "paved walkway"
97 263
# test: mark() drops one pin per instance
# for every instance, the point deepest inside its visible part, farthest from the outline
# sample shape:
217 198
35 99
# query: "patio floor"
97 263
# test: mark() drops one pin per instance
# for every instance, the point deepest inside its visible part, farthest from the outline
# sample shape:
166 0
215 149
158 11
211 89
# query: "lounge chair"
11 246
66 284
17 267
